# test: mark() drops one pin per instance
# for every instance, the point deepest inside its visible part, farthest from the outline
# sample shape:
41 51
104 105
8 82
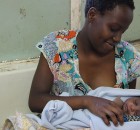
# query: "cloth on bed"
21 122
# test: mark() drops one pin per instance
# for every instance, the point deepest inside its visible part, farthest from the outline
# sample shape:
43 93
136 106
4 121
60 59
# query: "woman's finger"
111 116
115 113
104 118
119 113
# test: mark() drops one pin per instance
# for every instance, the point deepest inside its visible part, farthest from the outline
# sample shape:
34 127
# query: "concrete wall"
24 22
15 83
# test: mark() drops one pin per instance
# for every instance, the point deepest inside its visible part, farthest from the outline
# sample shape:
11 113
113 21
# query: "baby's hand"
118 101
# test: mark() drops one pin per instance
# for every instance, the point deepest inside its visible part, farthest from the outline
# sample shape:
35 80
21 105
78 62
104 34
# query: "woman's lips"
111 44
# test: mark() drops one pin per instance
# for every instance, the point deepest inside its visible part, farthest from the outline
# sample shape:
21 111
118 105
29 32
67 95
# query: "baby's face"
132 106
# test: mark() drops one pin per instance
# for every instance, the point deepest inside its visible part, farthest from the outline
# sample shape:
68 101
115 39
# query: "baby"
131 108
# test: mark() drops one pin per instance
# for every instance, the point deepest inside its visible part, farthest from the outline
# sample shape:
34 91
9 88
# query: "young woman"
79 61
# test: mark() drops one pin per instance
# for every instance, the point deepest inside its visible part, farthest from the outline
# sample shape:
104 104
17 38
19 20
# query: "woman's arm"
42 84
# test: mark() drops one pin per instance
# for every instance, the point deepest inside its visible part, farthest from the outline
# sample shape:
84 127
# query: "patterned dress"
60 50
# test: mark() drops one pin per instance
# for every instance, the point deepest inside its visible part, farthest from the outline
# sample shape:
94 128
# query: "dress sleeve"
48 47
133 62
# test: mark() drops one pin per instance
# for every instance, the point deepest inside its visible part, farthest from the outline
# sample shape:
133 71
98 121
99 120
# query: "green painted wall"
133 33
24 22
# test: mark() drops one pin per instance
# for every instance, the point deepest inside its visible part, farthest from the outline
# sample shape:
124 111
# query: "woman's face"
132 106
105 31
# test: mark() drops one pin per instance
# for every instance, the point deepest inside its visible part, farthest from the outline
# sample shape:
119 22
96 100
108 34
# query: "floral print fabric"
60 50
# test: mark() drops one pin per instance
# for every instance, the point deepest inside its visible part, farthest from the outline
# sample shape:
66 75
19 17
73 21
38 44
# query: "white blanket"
58 114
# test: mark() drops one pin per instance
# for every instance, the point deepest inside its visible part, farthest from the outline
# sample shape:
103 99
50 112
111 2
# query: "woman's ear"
92 13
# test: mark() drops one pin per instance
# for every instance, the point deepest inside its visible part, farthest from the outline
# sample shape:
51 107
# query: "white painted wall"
15 83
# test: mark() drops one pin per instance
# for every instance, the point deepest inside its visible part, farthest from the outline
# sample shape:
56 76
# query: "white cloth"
112 93
58 114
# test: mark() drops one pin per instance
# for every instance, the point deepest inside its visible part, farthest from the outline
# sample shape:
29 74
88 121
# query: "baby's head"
132 106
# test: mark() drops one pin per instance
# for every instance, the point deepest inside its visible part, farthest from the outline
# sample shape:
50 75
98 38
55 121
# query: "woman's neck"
83 42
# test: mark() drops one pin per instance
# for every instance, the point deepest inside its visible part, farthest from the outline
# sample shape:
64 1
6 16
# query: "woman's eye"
114 29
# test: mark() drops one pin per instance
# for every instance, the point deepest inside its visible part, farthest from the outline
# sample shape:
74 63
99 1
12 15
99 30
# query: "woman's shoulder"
53 39
59 35
57 42
129 56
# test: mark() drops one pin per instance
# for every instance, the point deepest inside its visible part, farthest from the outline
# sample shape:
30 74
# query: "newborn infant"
130 107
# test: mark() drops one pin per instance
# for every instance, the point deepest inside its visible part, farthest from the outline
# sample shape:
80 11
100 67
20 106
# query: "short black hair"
104 5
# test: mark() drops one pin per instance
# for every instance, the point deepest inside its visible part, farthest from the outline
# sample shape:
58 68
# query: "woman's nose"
117 37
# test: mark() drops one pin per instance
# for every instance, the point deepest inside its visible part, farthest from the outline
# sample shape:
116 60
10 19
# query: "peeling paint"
76 14
23 12
67 23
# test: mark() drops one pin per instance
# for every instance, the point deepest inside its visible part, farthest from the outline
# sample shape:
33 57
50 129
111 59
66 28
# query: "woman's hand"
106 109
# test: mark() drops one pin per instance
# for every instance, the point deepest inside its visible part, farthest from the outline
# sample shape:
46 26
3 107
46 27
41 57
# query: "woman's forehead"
121 15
